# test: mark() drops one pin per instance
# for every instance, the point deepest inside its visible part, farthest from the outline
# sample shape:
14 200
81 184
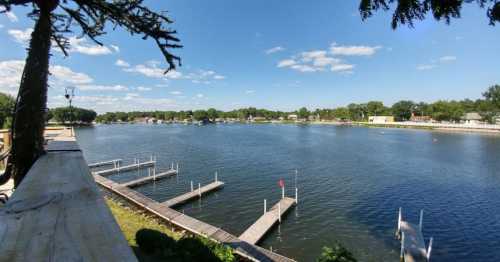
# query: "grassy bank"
160 242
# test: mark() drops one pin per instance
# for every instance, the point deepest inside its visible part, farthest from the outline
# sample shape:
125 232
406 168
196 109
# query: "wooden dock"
147 179
193 194
113 162
118 169
412 240
242 248
57 213
257 231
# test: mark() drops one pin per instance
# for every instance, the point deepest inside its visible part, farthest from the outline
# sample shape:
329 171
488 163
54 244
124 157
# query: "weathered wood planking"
111 171
105 163
413 244
193 225
193 194
257 231
58 214
147 179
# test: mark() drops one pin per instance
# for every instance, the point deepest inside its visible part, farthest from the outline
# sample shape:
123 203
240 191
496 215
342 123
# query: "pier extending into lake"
119 168
193 193
114 162
151 177
257 231
412 240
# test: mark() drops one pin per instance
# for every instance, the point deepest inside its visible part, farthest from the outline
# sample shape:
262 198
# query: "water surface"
351 182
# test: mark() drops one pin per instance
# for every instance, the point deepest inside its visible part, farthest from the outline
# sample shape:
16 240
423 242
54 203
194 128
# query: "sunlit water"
351 182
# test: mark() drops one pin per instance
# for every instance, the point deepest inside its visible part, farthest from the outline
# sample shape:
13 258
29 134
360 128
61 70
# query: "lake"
351 181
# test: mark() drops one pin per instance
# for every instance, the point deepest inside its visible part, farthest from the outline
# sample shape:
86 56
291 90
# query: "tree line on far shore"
60 115
442 110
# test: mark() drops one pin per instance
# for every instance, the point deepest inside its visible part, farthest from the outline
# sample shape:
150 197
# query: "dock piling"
192 189
296 195
429 249
282 192
177 168
401 255
265 206
279 212
199 189
399 221
215 176
172 165
154 173
421 219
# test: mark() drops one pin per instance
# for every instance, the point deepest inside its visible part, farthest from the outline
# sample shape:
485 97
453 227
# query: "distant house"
141 119
472 118
292 117
258 118
496 120
380 119
415 118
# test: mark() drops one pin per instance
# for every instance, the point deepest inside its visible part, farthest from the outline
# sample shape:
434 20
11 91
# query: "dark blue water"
351 182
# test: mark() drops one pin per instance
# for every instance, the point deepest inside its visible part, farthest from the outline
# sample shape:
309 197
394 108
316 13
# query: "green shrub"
154 242
336 254
193 249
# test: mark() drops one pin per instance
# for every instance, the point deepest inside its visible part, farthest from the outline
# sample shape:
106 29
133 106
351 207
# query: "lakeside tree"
403 109
6 107
492 95
406 12
336 254
54 21
303 113
76 115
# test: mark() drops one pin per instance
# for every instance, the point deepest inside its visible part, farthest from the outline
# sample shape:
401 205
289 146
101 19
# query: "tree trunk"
29 120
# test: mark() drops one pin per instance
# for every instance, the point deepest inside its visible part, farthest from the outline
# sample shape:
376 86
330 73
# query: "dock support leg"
279 212
199 189
177 168
154 173
282 192
421 220
215 176
429 250
192 186
265 206
296 195
399 222
402 253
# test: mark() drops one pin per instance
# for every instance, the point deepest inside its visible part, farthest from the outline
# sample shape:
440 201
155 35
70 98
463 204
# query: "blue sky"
266 53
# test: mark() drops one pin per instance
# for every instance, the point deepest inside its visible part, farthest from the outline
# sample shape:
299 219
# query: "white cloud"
151 69
103 88
219 77
122 63
143 88
130 96
80 45
11 72
115 47
200 95
353 50
11 16
204 76
248 92
21 36
176 93
305 68
1 26
346 68
286 63
425 67
445 59
274 50
66 75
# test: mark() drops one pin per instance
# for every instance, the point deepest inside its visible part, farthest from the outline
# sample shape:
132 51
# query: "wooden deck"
242 248
193 194
257 231
413 243
148 179
105 163
58 214
111 171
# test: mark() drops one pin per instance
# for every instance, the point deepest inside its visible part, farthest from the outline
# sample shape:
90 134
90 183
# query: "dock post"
401 255
265 206
420 221
429 249
279 211
192 186
151 158
114 164
215 176
177 168
282 192
149 171
154 173
296 195
199 189
399 221
172 166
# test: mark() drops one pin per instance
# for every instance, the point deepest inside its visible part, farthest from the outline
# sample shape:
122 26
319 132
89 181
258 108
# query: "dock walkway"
242 248
147 179
412 240
193 194
257 231
118 169
113 162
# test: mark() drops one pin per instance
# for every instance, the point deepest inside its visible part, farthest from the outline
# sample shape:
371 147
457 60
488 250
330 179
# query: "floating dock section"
119 168
194 193
114 162
150 178
412 240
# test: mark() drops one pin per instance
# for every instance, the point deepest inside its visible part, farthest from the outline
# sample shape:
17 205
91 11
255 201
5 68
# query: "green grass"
131 221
